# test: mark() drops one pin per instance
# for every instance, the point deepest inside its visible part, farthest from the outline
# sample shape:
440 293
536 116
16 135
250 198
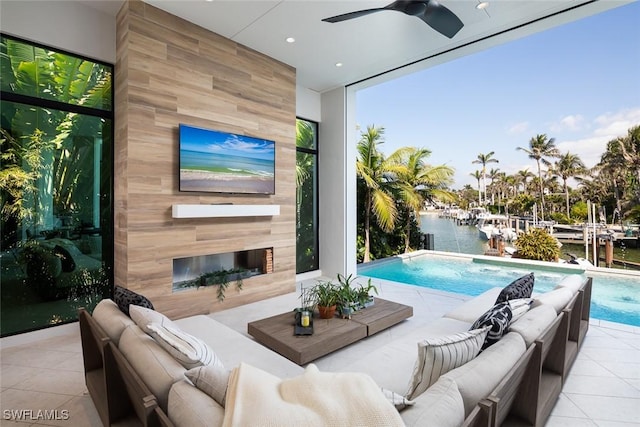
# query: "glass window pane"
56 188
43 73
307 197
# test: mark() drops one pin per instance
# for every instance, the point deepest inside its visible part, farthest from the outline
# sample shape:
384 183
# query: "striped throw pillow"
437 356
188 350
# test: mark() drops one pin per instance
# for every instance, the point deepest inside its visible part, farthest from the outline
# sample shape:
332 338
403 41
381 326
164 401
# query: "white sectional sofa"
516 380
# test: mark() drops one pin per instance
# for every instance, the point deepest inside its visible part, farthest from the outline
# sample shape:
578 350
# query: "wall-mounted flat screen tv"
221 162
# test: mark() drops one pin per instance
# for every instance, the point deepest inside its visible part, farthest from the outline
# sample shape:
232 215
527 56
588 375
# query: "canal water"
449 237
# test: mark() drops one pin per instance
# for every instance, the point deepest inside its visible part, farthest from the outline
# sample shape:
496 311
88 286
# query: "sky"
217 142
578 83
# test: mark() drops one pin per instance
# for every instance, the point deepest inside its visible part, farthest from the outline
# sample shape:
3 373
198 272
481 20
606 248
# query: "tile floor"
43 370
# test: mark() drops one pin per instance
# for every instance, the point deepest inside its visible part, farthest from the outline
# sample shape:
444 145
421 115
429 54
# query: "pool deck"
43 370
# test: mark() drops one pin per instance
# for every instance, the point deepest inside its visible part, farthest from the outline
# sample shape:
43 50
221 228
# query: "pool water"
613 298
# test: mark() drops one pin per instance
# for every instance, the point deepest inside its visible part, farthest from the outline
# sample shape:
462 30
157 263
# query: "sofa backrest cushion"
441 405
522 287
469 311
532 323
557 298
111 319
572 281
437 356
211 379
191 407
157 368
477 378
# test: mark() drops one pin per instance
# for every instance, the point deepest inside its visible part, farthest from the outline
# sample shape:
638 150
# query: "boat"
495 225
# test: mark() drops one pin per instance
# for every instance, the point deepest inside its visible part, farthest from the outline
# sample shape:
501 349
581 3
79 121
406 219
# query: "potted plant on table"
363 295
325 295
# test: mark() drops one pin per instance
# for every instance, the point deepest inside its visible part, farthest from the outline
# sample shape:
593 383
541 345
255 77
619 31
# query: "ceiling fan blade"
351 15
441 19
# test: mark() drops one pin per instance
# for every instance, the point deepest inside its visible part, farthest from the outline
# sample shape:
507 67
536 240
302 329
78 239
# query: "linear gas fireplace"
205 270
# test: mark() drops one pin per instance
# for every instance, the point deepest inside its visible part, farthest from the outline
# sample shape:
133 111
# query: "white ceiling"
369 45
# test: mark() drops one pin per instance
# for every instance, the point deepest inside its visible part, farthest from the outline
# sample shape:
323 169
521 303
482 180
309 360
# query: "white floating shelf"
224 211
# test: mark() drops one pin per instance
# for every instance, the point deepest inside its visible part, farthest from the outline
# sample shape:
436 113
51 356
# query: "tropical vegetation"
613 184
392 190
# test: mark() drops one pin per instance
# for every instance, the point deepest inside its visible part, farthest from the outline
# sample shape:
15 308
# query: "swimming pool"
614 298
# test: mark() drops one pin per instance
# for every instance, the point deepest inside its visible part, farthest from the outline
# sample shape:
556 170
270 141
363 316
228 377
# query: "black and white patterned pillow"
522 287
123 297
498 318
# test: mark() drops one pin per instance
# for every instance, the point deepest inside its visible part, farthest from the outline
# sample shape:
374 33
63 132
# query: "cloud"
518 128
571 123
607 127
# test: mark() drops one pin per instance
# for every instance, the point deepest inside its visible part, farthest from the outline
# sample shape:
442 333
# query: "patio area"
43 370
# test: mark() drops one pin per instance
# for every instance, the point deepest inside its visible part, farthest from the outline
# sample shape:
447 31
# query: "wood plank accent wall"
170 71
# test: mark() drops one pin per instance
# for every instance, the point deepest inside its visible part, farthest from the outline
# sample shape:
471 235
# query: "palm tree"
483 159
630 148
417 182
493 175
373 169
478 176
568 166
541 147
524 175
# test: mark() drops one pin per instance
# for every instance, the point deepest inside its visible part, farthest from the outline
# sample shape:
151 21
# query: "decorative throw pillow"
211 379
519 307
144 316
437 356
519 288
397 400
124 297
497 319
188 350
68 264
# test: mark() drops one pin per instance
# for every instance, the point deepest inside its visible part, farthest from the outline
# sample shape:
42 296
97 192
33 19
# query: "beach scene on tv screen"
216 161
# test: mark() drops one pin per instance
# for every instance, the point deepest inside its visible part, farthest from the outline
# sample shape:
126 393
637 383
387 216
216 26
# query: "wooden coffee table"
329 335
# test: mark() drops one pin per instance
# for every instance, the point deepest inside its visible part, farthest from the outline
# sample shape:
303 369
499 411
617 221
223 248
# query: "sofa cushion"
572 281
188 350
233 347
441 405
124 297
470 310
401 354
437 356
522 287
212 379
143 316
111 319
477 378
189 406
157 368
532 323
557 298
497 319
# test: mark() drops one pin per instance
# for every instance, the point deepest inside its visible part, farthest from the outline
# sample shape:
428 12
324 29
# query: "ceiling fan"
431 12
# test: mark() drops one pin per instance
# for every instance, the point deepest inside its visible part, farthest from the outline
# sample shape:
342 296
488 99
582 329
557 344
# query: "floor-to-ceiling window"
306 196
56 184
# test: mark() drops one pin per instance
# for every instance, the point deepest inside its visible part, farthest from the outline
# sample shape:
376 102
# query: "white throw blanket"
314 398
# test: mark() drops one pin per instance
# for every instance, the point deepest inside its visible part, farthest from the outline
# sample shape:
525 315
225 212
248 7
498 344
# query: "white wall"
308 104
67 25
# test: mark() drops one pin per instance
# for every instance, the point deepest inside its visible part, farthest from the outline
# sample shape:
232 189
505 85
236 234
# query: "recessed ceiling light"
290 40
209 1
482 5
338 64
